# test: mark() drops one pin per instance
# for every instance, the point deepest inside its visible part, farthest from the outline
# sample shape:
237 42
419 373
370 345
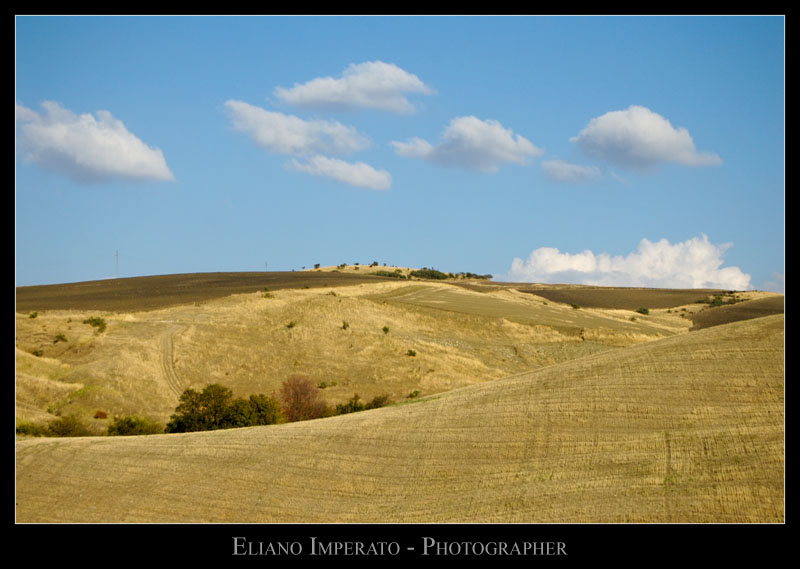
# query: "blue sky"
627 151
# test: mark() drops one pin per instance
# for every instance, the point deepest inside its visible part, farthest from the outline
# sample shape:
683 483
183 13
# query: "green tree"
266 410
203 411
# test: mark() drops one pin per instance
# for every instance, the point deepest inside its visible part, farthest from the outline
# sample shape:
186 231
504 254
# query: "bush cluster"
216 408
130 425
97 322
355 404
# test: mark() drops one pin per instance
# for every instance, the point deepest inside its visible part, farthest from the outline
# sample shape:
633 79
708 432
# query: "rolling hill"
531 410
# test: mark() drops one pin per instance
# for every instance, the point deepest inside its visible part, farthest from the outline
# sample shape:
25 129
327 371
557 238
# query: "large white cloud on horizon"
639 139
358 174
371 85
695 263
473 144
287 134
87 148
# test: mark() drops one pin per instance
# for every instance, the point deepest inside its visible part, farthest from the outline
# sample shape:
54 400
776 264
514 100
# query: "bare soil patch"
733 313
620 298
152 292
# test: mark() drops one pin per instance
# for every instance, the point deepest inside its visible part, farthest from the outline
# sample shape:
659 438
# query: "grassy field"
603 412
683 429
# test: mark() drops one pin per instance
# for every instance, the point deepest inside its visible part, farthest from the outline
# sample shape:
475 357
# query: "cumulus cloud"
560 171
359 174
638 138
291 135
372 85
695 263
473 144
87 148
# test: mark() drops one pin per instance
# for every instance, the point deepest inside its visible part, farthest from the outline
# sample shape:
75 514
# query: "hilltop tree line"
215 407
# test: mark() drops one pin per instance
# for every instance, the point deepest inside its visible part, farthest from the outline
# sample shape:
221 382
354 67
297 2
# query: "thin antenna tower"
116 264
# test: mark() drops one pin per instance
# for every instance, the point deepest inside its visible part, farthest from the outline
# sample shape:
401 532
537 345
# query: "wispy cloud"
358 174
87 148
291 135
370 85
473 144
640 139
560 171
695 263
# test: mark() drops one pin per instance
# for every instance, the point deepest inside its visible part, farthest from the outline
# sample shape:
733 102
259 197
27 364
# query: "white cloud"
560 171
359 174
86 148
695 263
638 138
473 144
372 85
288 134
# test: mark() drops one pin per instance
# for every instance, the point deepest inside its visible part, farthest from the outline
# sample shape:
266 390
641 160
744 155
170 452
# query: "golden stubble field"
530 411
684 429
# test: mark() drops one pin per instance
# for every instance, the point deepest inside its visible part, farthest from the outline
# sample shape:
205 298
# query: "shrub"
426 273
265 409
413 394
300 400
377 401
411 353
385 329
60 338
131 425
393 274
37 353
291 324
266 293
33 315
352 406
643 311
97 322
345 325
31 429
576 306
100 414
68 426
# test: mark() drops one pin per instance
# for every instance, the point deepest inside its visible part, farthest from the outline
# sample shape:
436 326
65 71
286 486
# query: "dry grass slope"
688 428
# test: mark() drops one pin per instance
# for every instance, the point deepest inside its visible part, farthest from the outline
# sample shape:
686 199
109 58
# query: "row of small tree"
299 399
215 407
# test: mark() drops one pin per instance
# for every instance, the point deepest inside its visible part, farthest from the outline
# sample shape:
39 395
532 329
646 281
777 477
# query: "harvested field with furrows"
684 429
506 405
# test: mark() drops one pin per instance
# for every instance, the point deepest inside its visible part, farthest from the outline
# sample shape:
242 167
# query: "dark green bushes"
68 426
215 408
130 425
97 322
355 404
31 429
426 273
394 274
